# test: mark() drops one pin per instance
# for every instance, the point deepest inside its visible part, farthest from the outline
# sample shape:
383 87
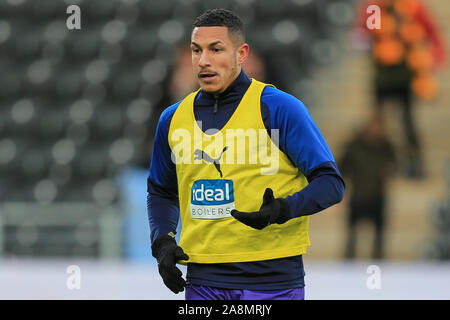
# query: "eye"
217 49
195 50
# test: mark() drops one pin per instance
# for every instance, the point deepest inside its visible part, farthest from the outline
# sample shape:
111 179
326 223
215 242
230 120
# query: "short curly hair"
222 17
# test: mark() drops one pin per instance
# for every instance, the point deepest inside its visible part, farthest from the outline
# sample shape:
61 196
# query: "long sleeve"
163 210
162 197
425 17
326 188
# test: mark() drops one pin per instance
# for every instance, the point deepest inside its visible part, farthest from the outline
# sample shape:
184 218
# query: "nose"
204 59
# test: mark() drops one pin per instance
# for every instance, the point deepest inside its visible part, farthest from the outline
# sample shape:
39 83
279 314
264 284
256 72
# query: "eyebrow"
212 44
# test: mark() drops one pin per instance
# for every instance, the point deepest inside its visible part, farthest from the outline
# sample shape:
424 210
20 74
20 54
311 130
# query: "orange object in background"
420 59
406 8
424 86
389 51
388 26
412 32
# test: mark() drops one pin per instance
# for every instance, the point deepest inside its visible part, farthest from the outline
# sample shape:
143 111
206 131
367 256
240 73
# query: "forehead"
207 35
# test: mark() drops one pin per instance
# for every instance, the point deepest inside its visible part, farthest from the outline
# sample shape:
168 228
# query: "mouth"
207 76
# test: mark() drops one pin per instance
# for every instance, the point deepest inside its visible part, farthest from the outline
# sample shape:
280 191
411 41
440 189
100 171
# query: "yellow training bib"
231 170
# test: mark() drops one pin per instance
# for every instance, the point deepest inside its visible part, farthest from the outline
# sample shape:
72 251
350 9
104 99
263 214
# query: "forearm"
162 209
321 193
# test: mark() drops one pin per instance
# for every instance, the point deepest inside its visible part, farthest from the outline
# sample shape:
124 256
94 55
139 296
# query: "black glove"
272 211
167 252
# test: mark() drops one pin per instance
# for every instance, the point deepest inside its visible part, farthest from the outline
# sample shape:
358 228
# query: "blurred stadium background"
78 110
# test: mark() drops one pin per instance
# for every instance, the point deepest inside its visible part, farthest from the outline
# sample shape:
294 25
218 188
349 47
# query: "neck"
236 75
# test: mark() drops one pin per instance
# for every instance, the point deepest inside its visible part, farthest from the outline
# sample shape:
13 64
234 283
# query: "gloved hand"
272 211
167 252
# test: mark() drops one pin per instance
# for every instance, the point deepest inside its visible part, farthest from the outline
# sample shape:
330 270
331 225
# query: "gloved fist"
272 211
167 252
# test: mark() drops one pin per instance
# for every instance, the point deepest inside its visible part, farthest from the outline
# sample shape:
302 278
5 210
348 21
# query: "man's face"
216 60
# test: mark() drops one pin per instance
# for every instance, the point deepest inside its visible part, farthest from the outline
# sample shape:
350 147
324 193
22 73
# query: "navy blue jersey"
299 139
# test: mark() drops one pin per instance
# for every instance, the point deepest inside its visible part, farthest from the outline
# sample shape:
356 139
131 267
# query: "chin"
210 89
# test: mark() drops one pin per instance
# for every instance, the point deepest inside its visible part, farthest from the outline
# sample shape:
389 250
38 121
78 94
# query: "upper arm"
299 137
162 168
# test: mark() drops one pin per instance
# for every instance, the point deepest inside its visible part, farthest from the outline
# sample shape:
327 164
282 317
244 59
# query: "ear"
242 53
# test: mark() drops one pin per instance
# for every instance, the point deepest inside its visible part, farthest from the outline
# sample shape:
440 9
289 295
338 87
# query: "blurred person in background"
255 66
406 50
182 80
255 253
368 163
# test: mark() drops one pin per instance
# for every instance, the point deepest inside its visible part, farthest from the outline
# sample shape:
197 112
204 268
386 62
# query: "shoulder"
284 108
277 99
169 111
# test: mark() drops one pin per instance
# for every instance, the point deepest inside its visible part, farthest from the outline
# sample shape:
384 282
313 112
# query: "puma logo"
201 155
